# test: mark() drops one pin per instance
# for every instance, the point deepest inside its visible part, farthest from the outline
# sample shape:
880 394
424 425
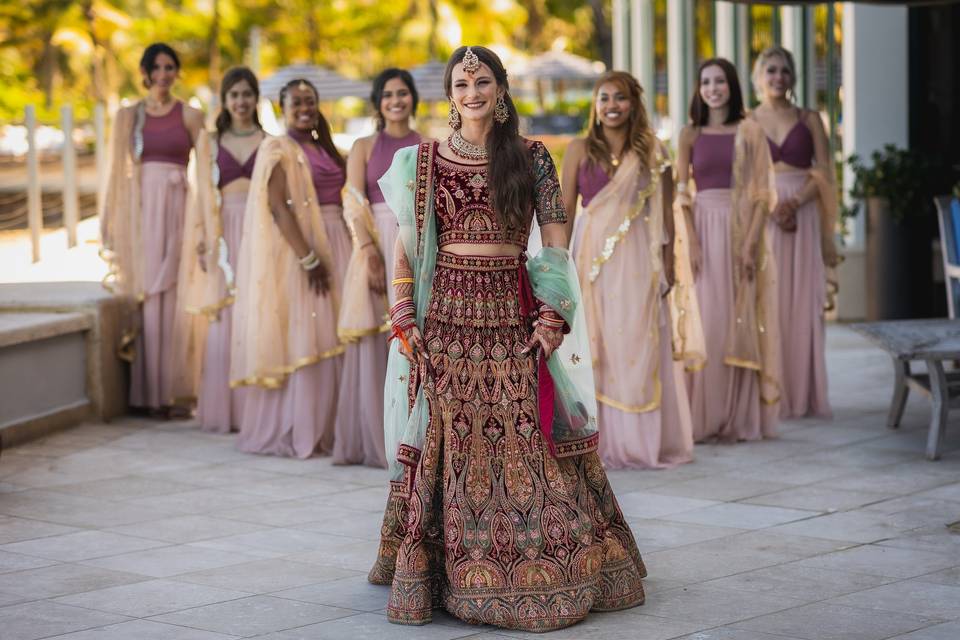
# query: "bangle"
397 281
309 261
681 187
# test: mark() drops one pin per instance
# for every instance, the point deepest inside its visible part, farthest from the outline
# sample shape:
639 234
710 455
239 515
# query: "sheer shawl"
407 188
202 290
753 341
824 177
619 251
120 224
362 312
265 348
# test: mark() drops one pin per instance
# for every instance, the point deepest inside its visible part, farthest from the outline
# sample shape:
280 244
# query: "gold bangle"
397 281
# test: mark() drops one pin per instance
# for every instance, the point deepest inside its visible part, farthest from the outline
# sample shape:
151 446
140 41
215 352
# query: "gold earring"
454 118
500 113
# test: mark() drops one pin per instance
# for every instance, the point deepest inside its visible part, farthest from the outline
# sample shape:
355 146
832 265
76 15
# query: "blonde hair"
640 136
775 51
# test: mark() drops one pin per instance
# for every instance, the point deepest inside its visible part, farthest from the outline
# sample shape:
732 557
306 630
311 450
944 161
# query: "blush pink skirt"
163 198
802 296
725 401
297 420
219 407
359 428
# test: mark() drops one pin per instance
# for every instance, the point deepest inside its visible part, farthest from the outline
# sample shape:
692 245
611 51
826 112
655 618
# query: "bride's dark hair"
510 170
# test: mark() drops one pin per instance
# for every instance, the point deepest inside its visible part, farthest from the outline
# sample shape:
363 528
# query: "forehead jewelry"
303 86
471 63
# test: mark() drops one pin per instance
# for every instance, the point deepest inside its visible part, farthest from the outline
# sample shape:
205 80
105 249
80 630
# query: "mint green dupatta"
408 190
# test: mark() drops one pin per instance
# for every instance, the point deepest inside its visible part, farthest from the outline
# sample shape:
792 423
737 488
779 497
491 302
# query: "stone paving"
156 531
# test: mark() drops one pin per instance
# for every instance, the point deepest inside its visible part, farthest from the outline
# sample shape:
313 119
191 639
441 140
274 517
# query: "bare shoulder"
687 135
813 120
363 145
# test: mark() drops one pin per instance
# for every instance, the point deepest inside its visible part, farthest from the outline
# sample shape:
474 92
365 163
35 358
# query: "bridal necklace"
465 149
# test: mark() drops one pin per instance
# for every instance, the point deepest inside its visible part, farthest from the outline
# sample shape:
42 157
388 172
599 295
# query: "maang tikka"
471 63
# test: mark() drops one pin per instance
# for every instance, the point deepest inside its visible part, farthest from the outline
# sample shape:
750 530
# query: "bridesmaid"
367 296
142 224
295 250
735 396
802 231
234 145
623 176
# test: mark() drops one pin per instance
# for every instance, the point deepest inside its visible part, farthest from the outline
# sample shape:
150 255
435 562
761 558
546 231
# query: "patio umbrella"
560 65
429 80
330 84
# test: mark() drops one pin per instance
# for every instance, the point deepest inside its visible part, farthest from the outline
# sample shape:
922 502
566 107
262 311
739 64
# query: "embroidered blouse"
462 201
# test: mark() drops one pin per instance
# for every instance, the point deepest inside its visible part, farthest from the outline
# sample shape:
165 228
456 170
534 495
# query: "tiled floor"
155 531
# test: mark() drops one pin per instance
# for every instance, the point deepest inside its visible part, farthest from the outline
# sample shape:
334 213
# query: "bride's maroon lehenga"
496 529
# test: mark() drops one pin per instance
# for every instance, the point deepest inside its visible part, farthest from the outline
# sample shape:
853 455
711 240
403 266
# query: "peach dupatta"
275 332
619 254
362 312
754 341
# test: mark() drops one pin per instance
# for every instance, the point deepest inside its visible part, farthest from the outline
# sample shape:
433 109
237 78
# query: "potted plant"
894 188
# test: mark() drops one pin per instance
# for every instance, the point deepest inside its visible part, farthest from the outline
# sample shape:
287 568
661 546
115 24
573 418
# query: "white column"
793 36
34 207
71 215
642 53
620 25
679 62
725 30
100 129
875 113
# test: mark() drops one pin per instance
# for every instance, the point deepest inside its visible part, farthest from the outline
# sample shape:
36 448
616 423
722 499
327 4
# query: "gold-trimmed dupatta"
264 349
753 340
619 257
362 312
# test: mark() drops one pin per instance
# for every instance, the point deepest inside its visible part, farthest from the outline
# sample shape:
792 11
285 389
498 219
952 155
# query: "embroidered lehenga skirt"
492 526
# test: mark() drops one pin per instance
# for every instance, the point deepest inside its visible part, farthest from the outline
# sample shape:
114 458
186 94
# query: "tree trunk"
602 32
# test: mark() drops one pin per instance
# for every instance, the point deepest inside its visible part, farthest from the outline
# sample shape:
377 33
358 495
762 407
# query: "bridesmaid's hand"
319 279
376 271
830 256
669 267
202 255
696 257
745 264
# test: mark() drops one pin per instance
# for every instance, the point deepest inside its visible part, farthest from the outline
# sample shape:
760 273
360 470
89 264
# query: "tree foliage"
54 52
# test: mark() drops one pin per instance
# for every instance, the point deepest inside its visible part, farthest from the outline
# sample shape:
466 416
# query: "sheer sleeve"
548 203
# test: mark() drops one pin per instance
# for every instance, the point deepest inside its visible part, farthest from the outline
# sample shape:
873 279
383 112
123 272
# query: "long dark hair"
380 82
700 112
640 136
320 134
149 58
510 169
230 78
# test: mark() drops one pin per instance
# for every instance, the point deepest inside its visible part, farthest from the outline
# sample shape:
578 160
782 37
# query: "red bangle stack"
403 315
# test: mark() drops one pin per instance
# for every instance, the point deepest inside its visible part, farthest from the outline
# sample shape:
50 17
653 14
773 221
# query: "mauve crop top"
591 179
166 139
380 159
712 160
230 169
328 176
796 149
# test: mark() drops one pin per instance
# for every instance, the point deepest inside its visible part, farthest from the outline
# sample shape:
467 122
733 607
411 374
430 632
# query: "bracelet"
681 187
397 281
309 261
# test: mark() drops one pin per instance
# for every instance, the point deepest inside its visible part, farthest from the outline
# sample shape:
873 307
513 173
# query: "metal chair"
951 259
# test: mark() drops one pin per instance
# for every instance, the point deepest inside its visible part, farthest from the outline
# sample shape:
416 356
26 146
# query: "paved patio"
155 531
